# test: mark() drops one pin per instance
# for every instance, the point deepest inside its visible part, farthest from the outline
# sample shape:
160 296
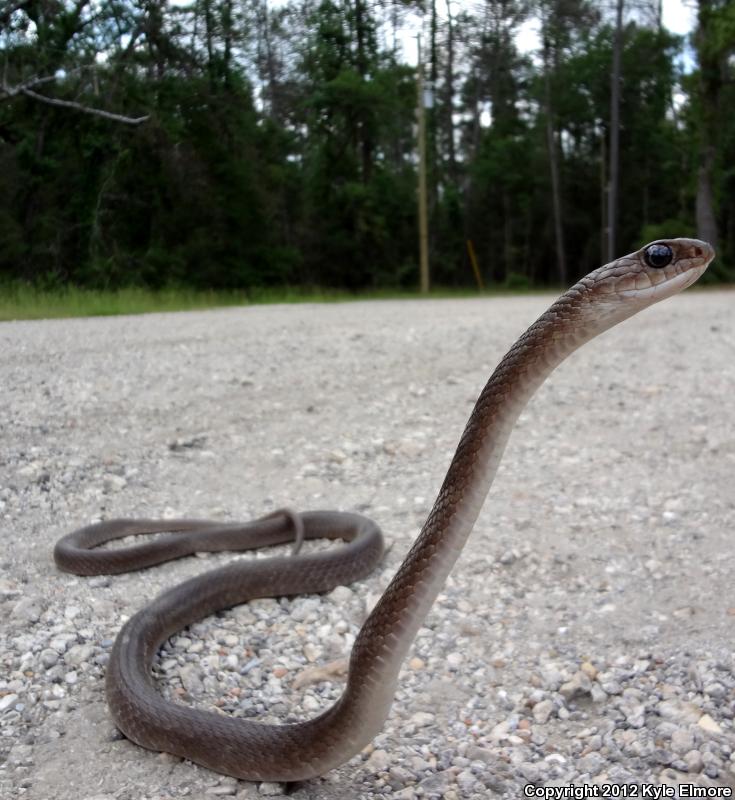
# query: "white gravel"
586 636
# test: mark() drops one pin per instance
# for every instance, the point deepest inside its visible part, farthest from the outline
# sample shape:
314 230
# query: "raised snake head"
623 287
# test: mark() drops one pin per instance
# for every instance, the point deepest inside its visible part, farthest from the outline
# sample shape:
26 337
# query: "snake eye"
658 256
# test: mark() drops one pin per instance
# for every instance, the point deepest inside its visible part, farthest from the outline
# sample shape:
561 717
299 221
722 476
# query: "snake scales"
255 751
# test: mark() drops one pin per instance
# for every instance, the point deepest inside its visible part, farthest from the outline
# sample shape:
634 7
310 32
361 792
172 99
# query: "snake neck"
388 632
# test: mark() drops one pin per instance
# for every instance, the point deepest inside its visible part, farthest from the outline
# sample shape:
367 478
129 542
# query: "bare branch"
27 89
98 112
11 91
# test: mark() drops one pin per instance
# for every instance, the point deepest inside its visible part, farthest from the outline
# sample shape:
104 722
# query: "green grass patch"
23 301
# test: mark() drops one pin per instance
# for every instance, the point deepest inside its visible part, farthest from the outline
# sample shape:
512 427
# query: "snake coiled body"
255 751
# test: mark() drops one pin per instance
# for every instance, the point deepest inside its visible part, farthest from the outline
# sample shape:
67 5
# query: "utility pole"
613 177
423 214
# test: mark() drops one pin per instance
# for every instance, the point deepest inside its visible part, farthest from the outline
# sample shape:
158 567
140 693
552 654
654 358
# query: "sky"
679 16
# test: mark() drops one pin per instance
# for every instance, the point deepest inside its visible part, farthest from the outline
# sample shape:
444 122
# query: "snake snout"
701 250
694 251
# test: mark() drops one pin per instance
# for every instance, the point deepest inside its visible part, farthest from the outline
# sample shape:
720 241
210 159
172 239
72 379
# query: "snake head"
655 272
665 267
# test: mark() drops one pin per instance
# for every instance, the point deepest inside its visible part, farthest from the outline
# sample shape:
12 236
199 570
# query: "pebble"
226 790
62 642
28 609
400 774
312 652
422 718
79 654
466 781
191 679
454 660
378 761
542 711
341 595
682 712
49 658
437 784
580 684
706 723
8 701
592 763
682 741
270 789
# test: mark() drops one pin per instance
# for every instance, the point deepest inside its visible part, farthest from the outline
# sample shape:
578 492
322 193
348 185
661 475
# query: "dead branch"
11 91
27 90
53 101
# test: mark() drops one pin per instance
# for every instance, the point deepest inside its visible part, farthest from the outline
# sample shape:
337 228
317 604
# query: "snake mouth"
667 287
683 279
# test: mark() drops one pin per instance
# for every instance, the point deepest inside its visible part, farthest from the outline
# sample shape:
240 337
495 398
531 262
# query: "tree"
714 39
278 143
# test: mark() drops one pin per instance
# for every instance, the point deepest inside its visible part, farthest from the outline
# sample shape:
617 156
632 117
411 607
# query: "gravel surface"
586 636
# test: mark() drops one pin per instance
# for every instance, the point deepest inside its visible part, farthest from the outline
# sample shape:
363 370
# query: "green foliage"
667 229
515 281
279 148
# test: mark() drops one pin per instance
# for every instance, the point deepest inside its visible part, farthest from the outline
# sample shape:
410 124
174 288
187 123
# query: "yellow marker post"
475 267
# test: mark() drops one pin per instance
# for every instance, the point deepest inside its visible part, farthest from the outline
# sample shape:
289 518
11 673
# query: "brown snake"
301 750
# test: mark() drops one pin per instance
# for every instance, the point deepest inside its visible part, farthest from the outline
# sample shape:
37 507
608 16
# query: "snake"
296 751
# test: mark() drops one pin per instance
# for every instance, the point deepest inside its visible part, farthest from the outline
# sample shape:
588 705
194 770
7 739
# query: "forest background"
225 144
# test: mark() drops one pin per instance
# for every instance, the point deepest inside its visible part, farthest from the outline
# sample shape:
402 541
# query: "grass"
21 301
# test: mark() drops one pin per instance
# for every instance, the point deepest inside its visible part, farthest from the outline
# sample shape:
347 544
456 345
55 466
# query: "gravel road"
586 636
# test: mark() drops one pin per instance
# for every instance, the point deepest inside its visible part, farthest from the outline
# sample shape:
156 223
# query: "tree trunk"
710 85
603 199
227 33
209 25
366 143
449 97
706 218
267 72
422 204
561 262
508 265
431 115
